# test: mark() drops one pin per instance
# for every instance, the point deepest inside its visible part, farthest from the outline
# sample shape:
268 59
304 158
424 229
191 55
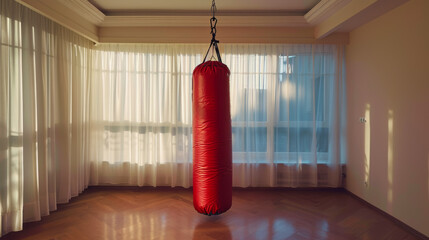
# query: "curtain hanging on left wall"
44 84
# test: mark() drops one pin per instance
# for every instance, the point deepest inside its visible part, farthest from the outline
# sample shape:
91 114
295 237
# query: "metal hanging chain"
214 42
213 9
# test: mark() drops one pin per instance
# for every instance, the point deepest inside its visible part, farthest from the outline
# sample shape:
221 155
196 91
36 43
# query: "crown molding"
354 14
60 12
225 34
323 10
85 10
202 13
326 18
203 21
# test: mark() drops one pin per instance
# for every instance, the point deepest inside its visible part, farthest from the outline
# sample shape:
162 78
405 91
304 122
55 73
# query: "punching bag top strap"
214 42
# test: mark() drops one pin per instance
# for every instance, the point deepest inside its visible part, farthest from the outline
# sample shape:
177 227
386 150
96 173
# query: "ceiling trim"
353 15
225 34
202 13
326 18
323 10
59 12
85 10
203 21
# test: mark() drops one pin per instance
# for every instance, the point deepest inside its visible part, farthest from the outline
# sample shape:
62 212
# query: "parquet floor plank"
118 213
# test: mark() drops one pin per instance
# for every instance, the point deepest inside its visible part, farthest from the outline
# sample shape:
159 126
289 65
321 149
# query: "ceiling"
124 6
187 21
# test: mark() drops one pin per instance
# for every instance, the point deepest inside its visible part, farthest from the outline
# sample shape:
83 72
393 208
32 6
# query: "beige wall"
388 81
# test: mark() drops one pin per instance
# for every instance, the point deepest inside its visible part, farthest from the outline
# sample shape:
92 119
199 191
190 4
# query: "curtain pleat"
44 115
141 122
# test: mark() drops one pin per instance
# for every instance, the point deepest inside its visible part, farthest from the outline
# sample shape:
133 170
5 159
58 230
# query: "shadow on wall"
390 160
367 144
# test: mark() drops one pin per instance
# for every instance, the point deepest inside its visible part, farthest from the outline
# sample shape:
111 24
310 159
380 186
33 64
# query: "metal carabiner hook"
213 9
213 23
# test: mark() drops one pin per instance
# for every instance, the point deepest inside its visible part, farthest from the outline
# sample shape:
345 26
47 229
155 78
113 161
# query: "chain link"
213 20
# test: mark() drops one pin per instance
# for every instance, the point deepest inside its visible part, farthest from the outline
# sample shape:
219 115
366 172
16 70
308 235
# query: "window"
146 110
282 110
289 111
279 103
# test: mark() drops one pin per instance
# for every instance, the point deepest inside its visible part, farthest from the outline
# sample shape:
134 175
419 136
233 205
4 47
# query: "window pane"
322 136
238 139
251 106
249 139
300 139
281 139
302 92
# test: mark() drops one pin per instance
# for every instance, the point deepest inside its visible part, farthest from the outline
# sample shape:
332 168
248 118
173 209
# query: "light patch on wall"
367 144
390 160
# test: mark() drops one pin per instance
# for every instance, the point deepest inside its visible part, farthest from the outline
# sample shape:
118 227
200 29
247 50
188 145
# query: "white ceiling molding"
60 11
323 10
225 34
203 21
85 10
202 13
118 6
353 15
319 25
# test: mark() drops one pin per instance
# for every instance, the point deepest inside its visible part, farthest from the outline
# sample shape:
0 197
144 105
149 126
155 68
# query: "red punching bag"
212 146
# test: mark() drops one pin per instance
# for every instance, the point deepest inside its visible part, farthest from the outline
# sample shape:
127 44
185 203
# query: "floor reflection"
165 214
282 229
212 229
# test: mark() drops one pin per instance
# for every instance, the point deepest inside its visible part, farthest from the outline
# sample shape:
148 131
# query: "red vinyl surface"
212 146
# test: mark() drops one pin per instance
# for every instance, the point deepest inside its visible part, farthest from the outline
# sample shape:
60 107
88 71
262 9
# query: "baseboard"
392 218
234 188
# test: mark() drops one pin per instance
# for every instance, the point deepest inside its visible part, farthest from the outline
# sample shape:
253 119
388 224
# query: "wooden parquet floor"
167 213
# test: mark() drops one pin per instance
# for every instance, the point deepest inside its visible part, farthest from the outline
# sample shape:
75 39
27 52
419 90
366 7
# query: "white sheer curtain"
141 114
43 115
287 106
286 103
